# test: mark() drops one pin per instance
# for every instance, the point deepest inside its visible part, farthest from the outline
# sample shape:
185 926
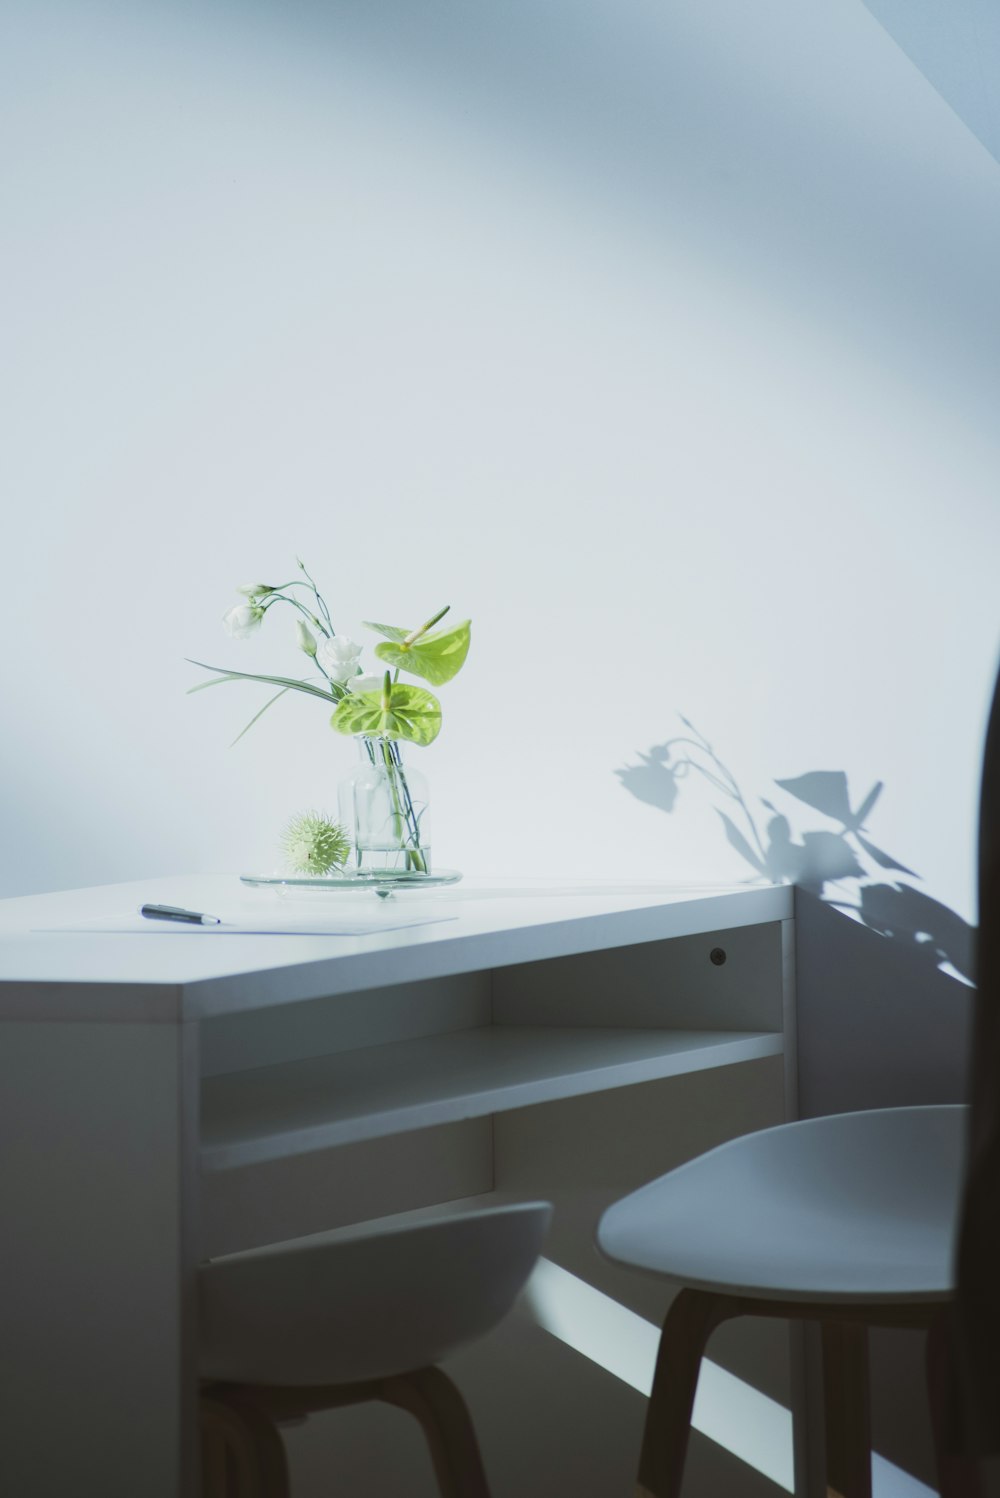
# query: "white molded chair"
331 1320
847 1220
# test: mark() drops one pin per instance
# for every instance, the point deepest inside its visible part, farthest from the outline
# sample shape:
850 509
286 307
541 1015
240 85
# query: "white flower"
339 657
241 620
373 683
253 590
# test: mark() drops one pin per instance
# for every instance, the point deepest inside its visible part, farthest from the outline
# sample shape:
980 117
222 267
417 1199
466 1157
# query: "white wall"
662 340
956 44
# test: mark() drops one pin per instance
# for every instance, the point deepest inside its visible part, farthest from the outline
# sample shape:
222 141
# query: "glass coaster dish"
382 881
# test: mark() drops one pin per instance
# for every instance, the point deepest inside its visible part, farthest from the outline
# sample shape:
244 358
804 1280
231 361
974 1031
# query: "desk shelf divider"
273 1112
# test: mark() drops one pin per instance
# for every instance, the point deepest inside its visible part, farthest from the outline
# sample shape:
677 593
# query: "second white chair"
848 1220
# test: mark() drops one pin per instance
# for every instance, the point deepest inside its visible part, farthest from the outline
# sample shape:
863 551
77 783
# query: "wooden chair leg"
431 1397
690 1322
228 1454
215 1424
846 1410
959 1476
242 1451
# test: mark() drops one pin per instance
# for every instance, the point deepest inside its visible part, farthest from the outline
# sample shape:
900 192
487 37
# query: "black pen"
175 913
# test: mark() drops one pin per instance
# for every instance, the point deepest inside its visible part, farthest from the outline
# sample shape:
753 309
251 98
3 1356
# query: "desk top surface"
191 972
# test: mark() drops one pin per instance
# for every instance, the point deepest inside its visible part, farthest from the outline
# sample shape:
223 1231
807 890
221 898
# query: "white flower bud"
307 640
242 619
370 683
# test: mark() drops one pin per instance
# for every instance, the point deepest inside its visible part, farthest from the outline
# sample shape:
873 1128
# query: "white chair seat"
853 1207
344 1309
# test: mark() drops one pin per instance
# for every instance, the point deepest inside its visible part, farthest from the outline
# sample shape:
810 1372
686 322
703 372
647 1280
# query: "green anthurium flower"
396 711
436 657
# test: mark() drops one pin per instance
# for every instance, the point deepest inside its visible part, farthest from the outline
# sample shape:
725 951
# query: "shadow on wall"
883 969
830 864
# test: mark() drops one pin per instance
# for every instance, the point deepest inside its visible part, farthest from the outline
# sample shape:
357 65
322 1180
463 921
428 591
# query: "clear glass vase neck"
375 749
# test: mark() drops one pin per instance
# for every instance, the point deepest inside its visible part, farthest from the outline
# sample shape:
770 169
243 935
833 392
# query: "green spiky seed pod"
314 844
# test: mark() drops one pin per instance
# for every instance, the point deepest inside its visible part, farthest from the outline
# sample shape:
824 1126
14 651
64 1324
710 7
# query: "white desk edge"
173 978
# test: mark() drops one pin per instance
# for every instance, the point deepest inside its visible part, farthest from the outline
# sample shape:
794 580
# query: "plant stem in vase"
383 805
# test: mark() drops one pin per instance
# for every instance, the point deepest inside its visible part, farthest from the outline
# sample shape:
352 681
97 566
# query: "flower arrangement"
373 706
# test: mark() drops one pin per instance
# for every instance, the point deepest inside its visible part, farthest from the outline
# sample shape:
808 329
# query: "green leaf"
389 630
272 681
413 714
269 703
436 657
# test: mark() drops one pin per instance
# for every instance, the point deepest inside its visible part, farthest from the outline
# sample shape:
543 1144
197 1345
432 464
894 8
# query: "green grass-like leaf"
436 657
269 703
413 714
288 682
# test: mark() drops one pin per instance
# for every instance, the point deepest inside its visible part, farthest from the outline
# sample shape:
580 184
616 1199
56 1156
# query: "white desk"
167 1095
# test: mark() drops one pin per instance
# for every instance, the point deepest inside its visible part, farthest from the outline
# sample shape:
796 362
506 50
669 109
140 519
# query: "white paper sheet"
300 924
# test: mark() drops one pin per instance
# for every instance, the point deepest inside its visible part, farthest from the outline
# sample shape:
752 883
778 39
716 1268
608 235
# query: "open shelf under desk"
277 1111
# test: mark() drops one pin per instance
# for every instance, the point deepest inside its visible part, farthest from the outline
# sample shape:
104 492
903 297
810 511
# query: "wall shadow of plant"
840 865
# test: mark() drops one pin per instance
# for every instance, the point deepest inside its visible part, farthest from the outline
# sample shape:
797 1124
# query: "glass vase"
383 808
